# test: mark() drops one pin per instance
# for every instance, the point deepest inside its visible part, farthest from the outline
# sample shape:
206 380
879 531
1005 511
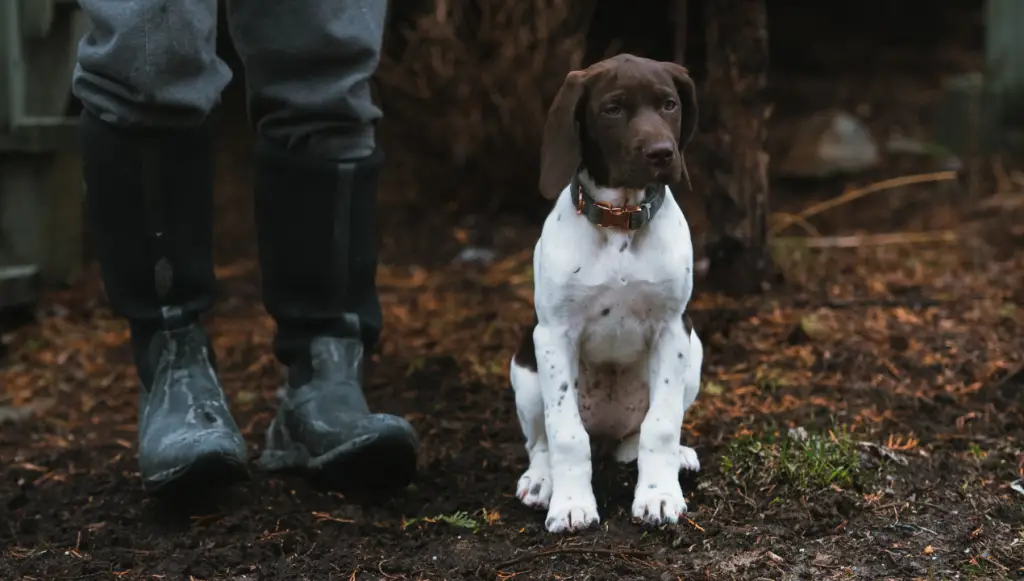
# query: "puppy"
612 353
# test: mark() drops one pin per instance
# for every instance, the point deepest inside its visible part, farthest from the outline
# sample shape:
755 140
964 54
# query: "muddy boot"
149 200
318 256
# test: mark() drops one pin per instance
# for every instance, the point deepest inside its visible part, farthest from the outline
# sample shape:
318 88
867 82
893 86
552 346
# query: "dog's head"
625 120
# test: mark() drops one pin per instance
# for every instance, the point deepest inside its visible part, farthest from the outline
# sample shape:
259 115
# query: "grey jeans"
153 63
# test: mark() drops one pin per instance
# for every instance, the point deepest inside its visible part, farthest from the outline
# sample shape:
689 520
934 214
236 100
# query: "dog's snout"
659 153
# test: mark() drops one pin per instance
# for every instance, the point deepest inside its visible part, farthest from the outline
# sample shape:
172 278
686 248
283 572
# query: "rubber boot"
318 257
149 199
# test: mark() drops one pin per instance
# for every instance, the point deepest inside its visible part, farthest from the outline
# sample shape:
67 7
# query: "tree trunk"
735 110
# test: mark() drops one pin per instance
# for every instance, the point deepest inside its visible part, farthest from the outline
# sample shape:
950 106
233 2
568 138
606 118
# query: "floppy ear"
687 101
560 149
687 92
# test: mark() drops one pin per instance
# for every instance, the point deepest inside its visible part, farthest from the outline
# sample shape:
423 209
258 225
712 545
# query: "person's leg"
308 65
148 76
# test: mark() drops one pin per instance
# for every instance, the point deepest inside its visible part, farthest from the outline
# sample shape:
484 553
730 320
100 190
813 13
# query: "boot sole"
380 468
204 474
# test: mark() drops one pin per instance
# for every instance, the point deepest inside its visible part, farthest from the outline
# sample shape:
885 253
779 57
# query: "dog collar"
605 215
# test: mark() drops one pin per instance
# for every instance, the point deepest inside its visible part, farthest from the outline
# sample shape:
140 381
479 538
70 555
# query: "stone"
828 143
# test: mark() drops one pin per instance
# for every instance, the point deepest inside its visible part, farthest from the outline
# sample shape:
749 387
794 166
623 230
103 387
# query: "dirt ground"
904 363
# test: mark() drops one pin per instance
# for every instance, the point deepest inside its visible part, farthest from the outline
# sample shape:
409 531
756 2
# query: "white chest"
618 299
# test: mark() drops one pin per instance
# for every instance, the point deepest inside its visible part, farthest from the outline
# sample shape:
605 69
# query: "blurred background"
465 87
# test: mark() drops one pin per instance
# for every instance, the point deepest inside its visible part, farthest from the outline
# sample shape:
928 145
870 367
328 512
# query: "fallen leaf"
816 326
1018 485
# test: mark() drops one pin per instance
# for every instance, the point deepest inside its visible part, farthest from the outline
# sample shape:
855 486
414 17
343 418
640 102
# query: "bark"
679 19
735 110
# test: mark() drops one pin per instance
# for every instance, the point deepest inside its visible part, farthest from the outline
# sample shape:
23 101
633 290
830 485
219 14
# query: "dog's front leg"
658 497
573 506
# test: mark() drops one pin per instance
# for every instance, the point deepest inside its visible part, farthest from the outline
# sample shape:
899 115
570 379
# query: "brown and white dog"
612 353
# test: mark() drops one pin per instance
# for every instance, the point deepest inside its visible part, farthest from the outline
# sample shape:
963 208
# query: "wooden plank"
19 286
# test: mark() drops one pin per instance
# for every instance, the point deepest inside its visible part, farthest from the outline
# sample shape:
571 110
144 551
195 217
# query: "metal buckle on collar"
613 216
617 217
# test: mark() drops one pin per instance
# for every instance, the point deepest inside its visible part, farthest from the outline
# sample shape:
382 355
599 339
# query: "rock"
942 158
475 255
19 285
827 143
17 414
900 143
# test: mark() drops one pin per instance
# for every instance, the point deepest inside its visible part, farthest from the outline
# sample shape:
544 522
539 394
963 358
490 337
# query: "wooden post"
981 113
735 110
1004 59
679 9
40 173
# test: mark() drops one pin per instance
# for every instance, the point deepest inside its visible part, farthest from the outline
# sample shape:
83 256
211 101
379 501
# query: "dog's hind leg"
534 487
691 387
695 362
629 448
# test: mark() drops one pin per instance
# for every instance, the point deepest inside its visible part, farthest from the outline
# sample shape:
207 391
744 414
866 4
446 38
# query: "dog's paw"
688 459
571 516
534 489
572 513
657 505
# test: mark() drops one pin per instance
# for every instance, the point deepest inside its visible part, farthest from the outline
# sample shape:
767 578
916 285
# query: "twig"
888 506
797 220
571 550
857 193
994 562
321 516
934 506
862 240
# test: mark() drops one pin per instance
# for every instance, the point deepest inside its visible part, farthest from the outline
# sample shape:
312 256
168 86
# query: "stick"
855 194
798 221
862 240
571 550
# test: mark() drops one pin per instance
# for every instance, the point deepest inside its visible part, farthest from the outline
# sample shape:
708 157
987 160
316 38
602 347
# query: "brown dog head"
625 120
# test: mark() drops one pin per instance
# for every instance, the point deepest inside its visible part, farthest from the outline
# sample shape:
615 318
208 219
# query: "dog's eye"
670 105
612 110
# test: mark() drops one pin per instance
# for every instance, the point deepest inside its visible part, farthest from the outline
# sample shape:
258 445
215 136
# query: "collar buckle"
617 216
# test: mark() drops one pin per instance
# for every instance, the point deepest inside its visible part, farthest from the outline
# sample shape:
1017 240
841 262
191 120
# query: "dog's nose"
659 153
